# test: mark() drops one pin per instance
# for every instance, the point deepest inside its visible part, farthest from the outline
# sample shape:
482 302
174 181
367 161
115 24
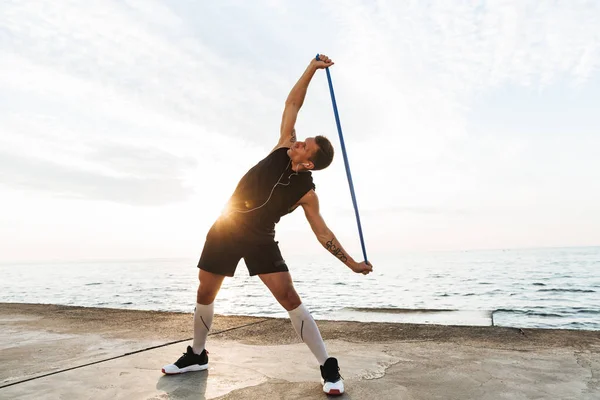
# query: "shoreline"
404 316
142 324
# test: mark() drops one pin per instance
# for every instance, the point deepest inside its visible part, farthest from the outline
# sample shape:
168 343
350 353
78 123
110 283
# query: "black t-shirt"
265 193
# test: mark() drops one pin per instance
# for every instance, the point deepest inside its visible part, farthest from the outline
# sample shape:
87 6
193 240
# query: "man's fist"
323 62
362 268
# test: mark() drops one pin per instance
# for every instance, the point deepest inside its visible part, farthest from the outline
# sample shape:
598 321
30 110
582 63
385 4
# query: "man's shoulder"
309 197
280 148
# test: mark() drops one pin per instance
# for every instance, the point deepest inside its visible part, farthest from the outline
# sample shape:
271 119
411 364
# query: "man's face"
301 152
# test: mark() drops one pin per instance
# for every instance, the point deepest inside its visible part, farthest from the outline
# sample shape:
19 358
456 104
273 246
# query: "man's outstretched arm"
296 97
310 204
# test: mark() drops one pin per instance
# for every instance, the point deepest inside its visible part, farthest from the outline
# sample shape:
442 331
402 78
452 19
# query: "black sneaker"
189 361
330 372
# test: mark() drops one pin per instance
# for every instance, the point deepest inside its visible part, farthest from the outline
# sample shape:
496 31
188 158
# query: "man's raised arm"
310 203
296 97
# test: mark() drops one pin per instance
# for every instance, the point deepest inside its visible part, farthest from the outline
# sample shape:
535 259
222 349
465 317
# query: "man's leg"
280 284
203 314
196 357
220 257
269 265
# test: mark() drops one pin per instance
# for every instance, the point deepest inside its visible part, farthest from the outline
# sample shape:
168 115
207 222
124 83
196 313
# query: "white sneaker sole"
173 370
334 388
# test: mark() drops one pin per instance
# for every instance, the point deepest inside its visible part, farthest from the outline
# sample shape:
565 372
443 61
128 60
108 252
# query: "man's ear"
309 165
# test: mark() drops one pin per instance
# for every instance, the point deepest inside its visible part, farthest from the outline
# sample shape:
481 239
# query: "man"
274 187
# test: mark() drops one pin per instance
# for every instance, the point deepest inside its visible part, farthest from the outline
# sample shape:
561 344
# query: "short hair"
324 155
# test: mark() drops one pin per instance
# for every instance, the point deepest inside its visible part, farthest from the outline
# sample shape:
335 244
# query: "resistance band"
339 128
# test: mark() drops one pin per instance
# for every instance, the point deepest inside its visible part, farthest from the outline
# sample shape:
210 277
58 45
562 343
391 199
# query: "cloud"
151 102
65 181
425 210
92 98
144 54
435 58
414 71
387 212
144 162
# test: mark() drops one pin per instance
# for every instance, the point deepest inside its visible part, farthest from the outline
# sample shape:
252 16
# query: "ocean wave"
568 290
587 311
528 312
539 284
396 310
578 324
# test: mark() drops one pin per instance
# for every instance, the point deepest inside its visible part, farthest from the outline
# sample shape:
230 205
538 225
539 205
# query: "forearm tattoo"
293 138
335 250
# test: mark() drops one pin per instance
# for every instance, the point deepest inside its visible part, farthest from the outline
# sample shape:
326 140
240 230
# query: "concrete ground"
57 352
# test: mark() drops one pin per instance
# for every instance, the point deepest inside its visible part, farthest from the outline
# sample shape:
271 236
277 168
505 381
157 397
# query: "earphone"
272 190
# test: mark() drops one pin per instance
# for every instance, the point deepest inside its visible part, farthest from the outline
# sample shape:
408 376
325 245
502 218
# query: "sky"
126 125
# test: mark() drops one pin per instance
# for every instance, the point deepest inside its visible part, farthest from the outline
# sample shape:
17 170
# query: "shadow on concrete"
184 386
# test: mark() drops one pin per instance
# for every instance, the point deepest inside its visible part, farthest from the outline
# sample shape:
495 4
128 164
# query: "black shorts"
223 250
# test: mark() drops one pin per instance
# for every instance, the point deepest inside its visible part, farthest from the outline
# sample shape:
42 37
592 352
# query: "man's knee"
205 296
289 299
208 287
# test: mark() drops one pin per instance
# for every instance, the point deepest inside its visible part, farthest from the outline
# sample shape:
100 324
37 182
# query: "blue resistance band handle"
346 163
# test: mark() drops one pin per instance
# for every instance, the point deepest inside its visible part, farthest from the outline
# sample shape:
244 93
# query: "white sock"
307 329
203 316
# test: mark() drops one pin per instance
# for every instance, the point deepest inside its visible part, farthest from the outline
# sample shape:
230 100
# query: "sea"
556 288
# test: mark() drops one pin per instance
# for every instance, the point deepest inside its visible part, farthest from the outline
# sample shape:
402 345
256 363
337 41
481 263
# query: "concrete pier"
58 352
